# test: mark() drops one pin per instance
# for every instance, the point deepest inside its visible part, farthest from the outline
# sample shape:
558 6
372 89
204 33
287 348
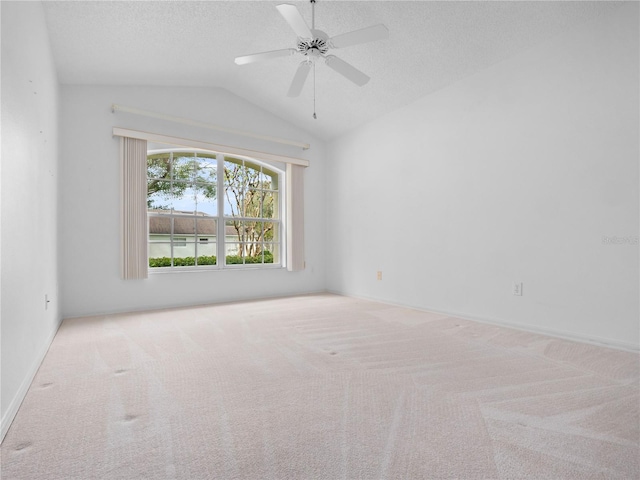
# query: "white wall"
89 208
514 174
29 200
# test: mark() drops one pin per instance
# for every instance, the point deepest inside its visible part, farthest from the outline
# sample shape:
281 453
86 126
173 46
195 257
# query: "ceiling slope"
183 43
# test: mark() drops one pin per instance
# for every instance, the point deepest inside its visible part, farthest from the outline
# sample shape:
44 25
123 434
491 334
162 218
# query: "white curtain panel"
133 162
295 217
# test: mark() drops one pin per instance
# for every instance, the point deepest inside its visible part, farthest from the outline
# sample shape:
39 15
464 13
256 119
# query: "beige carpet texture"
322 387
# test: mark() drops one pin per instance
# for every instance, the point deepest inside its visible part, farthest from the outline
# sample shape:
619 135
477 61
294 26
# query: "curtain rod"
136 111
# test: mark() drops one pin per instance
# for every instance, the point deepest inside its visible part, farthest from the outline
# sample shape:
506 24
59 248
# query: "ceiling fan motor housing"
319 45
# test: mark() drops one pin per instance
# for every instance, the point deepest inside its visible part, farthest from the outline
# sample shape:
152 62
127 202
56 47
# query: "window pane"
253 175
205 199
270 206
206 229
231 231
251 231
159 195
252 253
180 242
206 186
206 170
162 262
184 246
159 166
184 228
238 230
160 254
240 206
234 172
235 184
159 229
253 204
166 196
233 254
272 253
277 230
269 179
183 167
184 261
269 232
206 237
206 259
264 179
232 204
183 199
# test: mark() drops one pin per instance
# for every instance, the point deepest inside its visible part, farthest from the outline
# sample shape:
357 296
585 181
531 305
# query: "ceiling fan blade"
299 78
258 57
369 34
348 71
295 20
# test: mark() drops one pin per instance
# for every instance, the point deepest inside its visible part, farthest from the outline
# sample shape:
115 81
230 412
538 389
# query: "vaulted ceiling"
183 43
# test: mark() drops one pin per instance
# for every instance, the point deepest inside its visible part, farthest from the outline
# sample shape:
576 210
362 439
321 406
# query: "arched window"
209 210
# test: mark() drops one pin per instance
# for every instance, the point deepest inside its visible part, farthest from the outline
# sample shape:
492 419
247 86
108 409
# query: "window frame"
221 219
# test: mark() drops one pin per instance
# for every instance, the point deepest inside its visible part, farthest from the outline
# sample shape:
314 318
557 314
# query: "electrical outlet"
517 289
379 275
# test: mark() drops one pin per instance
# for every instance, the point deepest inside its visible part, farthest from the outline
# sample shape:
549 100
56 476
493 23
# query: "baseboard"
11 412
602 342
177 306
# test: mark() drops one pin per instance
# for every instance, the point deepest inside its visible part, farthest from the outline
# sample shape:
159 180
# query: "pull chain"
314 91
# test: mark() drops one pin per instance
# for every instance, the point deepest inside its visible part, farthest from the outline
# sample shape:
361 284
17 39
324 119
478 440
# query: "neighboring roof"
181 226
161 225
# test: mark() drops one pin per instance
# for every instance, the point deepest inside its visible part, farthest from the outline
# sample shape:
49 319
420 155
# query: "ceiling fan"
315 44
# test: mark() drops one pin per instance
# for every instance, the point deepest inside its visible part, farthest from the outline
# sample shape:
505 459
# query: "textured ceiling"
183 43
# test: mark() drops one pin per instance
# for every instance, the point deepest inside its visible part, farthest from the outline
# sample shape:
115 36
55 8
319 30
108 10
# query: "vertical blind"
295 217
133 162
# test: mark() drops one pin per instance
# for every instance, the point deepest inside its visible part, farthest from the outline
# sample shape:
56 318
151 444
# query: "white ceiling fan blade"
299 78
369 34
295 20
258 57
348 71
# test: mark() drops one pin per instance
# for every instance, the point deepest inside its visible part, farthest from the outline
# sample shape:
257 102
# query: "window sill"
228 268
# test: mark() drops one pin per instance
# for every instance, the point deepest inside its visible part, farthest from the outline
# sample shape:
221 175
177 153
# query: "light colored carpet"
322 387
